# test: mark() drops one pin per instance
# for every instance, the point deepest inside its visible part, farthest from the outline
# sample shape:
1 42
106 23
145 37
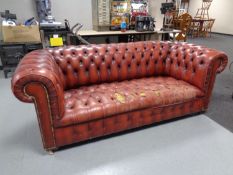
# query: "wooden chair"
175 21
203 12
207 27
184 25
168 20
195 29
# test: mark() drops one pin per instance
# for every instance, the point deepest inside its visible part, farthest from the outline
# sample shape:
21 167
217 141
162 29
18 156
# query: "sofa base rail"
123 122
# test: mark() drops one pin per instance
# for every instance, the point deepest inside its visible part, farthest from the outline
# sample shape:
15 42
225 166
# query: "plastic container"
123 24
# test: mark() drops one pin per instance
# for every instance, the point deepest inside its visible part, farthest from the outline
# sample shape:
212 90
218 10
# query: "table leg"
201 27
160 36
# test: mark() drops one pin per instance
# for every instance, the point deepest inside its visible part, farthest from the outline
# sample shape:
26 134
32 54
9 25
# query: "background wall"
81 11
73 10
221 10
156 13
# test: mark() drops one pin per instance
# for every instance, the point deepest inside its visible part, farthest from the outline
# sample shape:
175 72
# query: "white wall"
221 10
156 13
73 10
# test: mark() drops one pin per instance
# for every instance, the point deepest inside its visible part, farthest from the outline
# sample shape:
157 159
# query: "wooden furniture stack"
203 12
202 24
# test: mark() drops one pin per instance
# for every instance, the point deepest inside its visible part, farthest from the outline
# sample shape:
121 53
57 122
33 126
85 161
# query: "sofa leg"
50 152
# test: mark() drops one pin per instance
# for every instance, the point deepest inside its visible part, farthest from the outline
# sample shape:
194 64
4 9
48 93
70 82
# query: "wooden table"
111 33
201 21
93 33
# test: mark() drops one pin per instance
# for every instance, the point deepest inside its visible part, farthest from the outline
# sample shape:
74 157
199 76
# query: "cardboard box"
21 33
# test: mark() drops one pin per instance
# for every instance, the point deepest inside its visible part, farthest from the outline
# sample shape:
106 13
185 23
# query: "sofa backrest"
86 65
93 64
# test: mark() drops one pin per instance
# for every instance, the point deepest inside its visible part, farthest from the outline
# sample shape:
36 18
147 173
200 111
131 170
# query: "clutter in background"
16 32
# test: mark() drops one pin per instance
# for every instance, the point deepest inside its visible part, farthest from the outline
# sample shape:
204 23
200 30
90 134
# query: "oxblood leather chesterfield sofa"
86 92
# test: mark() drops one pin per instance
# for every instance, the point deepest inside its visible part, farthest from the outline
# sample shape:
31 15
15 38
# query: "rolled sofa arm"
223 64
39 67
195 64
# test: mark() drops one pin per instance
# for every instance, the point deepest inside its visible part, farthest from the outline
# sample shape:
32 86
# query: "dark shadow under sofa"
84 92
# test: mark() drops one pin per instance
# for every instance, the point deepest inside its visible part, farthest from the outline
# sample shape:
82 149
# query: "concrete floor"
195 145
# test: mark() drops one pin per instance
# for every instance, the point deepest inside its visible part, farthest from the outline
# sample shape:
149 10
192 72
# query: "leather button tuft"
85 52
76 71
201 62
73 53
194 70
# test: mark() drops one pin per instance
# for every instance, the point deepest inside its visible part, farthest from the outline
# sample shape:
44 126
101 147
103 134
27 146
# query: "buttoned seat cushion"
98 101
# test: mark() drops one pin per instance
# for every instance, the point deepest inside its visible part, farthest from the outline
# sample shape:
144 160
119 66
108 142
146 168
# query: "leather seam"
58 116
38 118
164 106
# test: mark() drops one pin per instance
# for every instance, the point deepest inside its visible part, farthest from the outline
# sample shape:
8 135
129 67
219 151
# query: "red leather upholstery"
39 66
100 101
125 121
87 65
81 92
